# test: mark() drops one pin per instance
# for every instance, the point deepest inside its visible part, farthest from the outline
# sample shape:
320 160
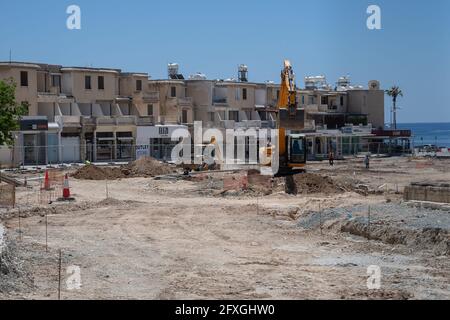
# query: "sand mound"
144 167
92 172
315 183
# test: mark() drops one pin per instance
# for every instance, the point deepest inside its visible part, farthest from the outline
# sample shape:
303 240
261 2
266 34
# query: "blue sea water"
429 133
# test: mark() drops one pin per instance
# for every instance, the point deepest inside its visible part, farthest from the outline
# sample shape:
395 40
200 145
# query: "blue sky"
320 37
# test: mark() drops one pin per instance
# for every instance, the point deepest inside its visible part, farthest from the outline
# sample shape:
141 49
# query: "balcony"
126 120
146 121
268 124
323 108
68 121
246 124
169 119
220 102
53 97
86 121
185 102
151 97
105 121
115 121
310 124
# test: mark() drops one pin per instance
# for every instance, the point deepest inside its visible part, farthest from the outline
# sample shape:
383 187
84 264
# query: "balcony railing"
88 121
187 102
126 120
105 121
146 121
116 121
247 124
68 120
151 96
323 108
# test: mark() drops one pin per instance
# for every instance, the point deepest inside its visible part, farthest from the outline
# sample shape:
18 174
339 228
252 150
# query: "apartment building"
100 114
89 113
173 110
225 104
334 108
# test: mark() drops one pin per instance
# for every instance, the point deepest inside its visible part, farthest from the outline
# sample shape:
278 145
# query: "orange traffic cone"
66 190
46 181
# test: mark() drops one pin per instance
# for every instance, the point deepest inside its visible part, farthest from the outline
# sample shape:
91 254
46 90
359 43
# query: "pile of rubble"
315 183
144 167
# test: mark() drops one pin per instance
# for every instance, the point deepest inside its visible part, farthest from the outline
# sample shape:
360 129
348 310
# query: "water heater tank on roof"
374 85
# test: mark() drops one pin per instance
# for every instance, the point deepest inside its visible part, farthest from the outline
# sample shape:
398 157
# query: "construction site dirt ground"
176 239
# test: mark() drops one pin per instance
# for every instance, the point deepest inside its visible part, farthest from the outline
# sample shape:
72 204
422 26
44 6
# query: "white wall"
260 97
66 83
5 156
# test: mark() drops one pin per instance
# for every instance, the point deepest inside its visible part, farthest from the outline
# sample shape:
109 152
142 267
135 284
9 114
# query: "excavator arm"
291 147
288 92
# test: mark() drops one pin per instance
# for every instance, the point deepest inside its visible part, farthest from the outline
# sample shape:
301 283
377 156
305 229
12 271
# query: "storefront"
31 141
156 141
104 146
125 145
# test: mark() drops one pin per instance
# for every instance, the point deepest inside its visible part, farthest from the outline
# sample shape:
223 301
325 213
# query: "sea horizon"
434 133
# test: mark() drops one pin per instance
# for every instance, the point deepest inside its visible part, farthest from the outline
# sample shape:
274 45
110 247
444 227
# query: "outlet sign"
163 131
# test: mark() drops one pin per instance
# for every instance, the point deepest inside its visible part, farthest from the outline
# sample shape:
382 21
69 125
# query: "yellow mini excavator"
292 147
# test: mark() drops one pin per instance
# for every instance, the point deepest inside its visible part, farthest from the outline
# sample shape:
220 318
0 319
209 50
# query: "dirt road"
165 240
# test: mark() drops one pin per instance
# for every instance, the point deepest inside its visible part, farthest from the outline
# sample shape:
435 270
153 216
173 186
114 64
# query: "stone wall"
438 192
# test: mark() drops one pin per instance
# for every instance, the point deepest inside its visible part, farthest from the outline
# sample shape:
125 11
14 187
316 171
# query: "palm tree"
394 92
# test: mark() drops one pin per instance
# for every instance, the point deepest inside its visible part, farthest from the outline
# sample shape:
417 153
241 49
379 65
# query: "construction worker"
367 161
331 158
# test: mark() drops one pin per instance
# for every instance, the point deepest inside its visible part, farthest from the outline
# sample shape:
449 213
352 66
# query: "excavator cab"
296 150
292 154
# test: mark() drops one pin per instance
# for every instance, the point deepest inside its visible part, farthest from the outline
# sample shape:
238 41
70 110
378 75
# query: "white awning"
53 126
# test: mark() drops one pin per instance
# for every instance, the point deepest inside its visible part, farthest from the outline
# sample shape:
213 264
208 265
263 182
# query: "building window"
238 94
101 83
150 110
87 83
244 94
278 94
138 85
24 78
233 115
184 116
303 99
342 100
56 80
173 92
